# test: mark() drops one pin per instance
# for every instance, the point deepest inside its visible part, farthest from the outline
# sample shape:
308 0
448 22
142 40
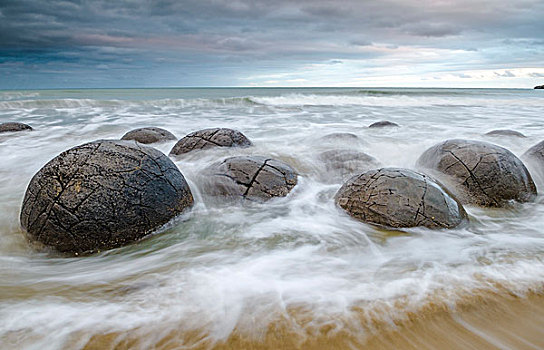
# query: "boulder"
101 195
209 138
340 136
480 173
398 198
251 177
149 135
505 132
534 157
12 127
382 124
344 163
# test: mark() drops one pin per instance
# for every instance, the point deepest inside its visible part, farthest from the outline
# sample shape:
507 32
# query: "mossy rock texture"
101 195
251 177
210 138
480 173
400 198
149 135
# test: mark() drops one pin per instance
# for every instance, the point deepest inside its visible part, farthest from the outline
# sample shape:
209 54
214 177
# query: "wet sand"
484 322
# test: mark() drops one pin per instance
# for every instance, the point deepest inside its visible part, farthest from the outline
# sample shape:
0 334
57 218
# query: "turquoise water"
224 267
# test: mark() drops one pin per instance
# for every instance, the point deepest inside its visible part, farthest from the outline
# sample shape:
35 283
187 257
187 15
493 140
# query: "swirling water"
224 269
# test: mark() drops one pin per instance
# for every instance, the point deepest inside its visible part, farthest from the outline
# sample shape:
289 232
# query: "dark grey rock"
209 138
12 127
382 124
539 87
101 195
252 177
343 163
149 135
480 173
505 132
399 198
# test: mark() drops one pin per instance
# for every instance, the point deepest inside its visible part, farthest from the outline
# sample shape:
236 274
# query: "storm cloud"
84 43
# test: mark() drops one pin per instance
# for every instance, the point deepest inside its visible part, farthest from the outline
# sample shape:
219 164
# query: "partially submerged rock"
534 157
382 124
480 173
505 132
209 138
149 135
14 126
101 195
399 198
340 136
344 163
251 177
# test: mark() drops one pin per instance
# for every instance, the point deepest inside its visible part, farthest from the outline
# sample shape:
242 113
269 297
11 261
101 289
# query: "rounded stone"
398 198
149 135
344 163
505 132
534 157
209 138
13 127
251 177
480 173
340 136
382 124
101 195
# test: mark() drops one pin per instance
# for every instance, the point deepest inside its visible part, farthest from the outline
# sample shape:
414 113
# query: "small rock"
480 173
340 136
13 127
251 177
399 198
382 124
209 138
505 132
343 164
149 135
102 195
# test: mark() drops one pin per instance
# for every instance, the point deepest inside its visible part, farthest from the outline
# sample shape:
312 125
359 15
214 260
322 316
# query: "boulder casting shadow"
210 138
149 135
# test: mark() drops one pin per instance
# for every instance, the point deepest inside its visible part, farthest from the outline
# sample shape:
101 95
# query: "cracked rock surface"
382 124
480 173
149 135
13 126
101 195
395 197
209 138
251 177
344 163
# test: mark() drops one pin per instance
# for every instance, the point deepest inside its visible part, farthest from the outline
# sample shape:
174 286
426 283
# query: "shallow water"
221 269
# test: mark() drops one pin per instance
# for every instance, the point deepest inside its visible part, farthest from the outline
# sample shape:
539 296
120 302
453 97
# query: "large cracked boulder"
14 126
250 177
480 173
209 138
342 164
101 195
149 135
399 198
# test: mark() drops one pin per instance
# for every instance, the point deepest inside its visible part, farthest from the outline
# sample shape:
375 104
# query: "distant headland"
539 87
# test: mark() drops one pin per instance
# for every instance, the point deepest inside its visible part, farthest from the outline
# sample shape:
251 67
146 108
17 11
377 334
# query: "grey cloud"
536 75
506 74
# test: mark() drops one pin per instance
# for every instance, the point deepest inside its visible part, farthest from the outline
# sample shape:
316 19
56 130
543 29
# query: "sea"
293 272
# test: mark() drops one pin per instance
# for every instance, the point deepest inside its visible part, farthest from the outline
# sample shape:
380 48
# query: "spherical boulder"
340 136
480 173
101 195
342 164
534 157
13 126
505 132
398 198
251 177
383 124
209 138
149 135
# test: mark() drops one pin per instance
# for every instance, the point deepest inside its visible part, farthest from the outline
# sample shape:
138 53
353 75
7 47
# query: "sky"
176 43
